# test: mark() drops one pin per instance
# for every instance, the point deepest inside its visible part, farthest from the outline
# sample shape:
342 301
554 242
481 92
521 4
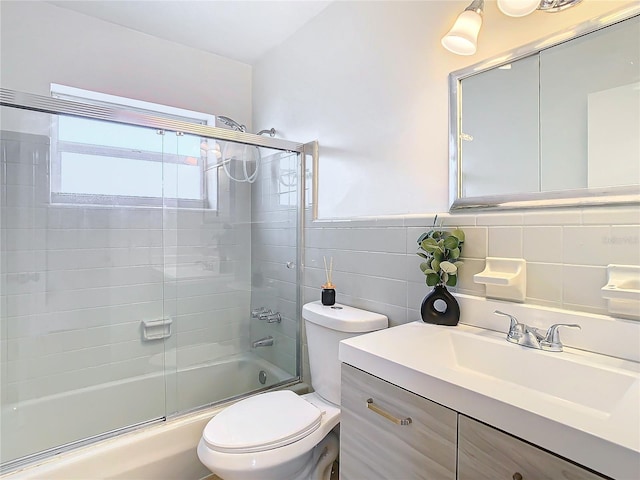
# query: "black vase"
446 312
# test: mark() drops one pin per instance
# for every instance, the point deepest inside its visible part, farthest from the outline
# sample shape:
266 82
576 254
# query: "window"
107 163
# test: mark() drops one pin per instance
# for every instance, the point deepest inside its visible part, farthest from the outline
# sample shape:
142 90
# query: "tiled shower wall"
567 252
273 252
78 281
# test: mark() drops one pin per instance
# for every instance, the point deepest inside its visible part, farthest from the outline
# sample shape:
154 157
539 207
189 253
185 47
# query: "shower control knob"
291 265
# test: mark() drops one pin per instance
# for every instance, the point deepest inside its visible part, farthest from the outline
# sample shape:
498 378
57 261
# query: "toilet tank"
325 327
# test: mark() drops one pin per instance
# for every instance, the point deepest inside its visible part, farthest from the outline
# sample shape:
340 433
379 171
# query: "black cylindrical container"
328 296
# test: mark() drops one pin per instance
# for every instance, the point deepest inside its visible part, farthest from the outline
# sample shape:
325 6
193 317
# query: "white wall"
369 81
41 43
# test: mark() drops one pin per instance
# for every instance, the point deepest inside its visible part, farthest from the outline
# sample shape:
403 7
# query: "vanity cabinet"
389 433
485 453
379 442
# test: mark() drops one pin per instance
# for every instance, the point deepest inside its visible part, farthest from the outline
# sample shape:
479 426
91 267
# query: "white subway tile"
544 282
581 286
586 245
505 242
475 243
457 220
623 215
496 219
63 259
553 217
625 245
542 244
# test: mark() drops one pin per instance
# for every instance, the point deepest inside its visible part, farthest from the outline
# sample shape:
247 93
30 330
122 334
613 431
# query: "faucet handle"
514 320
552 341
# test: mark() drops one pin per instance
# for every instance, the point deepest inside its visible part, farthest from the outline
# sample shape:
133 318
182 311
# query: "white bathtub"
39 424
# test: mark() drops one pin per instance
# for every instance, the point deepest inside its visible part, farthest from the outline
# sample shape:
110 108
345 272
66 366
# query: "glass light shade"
462 39
518 8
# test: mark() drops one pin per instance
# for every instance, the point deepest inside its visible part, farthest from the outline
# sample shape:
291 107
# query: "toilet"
281 435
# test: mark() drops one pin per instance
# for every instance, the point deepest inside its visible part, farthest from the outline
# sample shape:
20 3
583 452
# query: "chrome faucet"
271 317
523 334
261 313
263 342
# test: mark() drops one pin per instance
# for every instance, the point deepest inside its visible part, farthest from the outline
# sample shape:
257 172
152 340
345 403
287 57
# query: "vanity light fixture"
462 39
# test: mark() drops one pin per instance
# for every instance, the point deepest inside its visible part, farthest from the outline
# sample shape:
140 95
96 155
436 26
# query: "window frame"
96 98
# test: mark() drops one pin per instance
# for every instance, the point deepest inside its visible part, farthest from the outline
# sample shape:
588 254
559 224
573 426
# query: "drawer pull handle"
387 415
517 476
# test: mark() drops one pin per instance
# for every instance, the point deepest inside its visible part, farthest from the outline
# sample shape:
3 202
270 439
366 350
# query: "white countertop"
603 437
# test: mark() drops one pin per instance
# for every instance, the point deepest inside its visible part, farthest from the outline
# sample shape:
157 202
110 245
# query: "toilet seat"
264 422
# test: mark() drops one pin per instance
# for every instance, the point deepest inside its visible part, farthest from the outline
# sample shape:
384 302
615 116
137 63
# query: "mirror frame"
617 195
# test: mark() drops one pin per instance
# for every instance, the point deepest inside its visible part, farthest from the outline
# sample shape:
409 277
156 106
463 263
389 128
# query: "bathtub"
38 424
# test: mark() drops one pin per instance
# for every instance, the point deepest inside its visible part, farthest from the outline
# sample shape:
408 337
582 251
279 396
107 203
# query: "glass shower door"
82 299
143 273
239 252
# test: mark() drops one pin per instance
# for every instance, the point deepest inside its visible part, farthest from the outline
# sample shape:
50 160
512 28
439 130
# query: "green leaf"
458 263
435 265
423 255
429 271
429 245
451 243
438 255
459 234
454 254
452 280
448 267
422 237
424 266
432 279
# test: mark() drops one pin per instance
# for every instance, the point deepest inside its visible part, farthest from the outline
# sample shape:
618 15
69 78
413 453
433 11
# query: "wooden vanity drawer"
373 447
485 453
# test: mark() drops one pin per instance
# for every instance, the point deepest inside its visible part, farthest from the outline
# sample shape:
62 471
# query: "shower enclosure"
148 267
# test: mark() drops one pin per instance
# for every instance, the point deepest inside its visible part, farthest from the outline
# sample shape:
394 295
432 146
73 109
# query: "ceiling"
237 29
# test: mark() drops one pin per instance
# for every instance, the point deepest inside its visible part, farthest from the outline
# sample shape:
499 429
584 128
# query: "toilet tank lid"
343 318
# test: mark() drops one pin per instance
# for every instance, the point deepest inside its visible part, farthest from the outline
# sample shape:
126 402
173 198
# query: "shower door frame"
43 104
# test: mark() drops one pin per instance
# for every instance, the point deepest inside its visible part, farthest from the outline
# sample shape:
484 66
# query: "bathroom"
386 64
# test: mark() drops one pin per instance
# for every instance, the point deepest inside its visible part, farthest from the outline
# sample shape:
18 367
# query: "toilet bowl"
272 436
281 435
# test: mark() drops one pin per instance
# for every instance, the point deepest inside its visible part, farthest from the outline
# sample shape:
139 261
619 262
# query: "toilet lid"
263 422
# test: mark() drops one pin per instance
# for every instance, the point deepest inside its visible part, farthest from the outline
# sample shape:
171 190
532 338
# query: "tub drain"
262 377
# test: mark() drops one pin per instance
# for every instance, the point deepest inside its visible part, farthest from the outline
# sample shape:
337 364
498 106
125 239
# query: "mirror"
554 123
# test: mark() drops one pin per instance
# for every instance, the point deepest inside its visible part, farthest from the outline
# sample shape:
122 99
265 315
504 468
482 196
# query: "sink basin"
577 404
560 376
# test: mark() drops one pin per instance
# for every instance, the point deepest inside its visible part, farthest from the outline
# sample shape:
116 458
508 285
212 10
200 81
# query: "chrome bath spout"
263 342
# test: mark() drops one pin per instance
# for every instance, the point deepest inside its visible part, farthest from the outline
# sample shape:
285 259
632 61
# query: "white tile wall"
77 281
567 252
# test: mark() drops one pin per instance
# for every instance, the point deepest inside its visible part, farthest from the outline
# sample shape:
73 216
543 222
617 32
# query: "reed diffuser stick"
328 272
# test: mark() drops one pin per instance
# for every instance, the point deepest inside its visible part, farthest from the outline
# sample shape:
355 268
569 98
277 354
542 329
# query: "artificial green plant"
441 250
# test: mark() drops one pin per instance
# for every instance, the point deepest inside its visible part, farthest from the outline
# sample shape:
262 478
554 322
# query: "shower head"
271 132
232 123
229 122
